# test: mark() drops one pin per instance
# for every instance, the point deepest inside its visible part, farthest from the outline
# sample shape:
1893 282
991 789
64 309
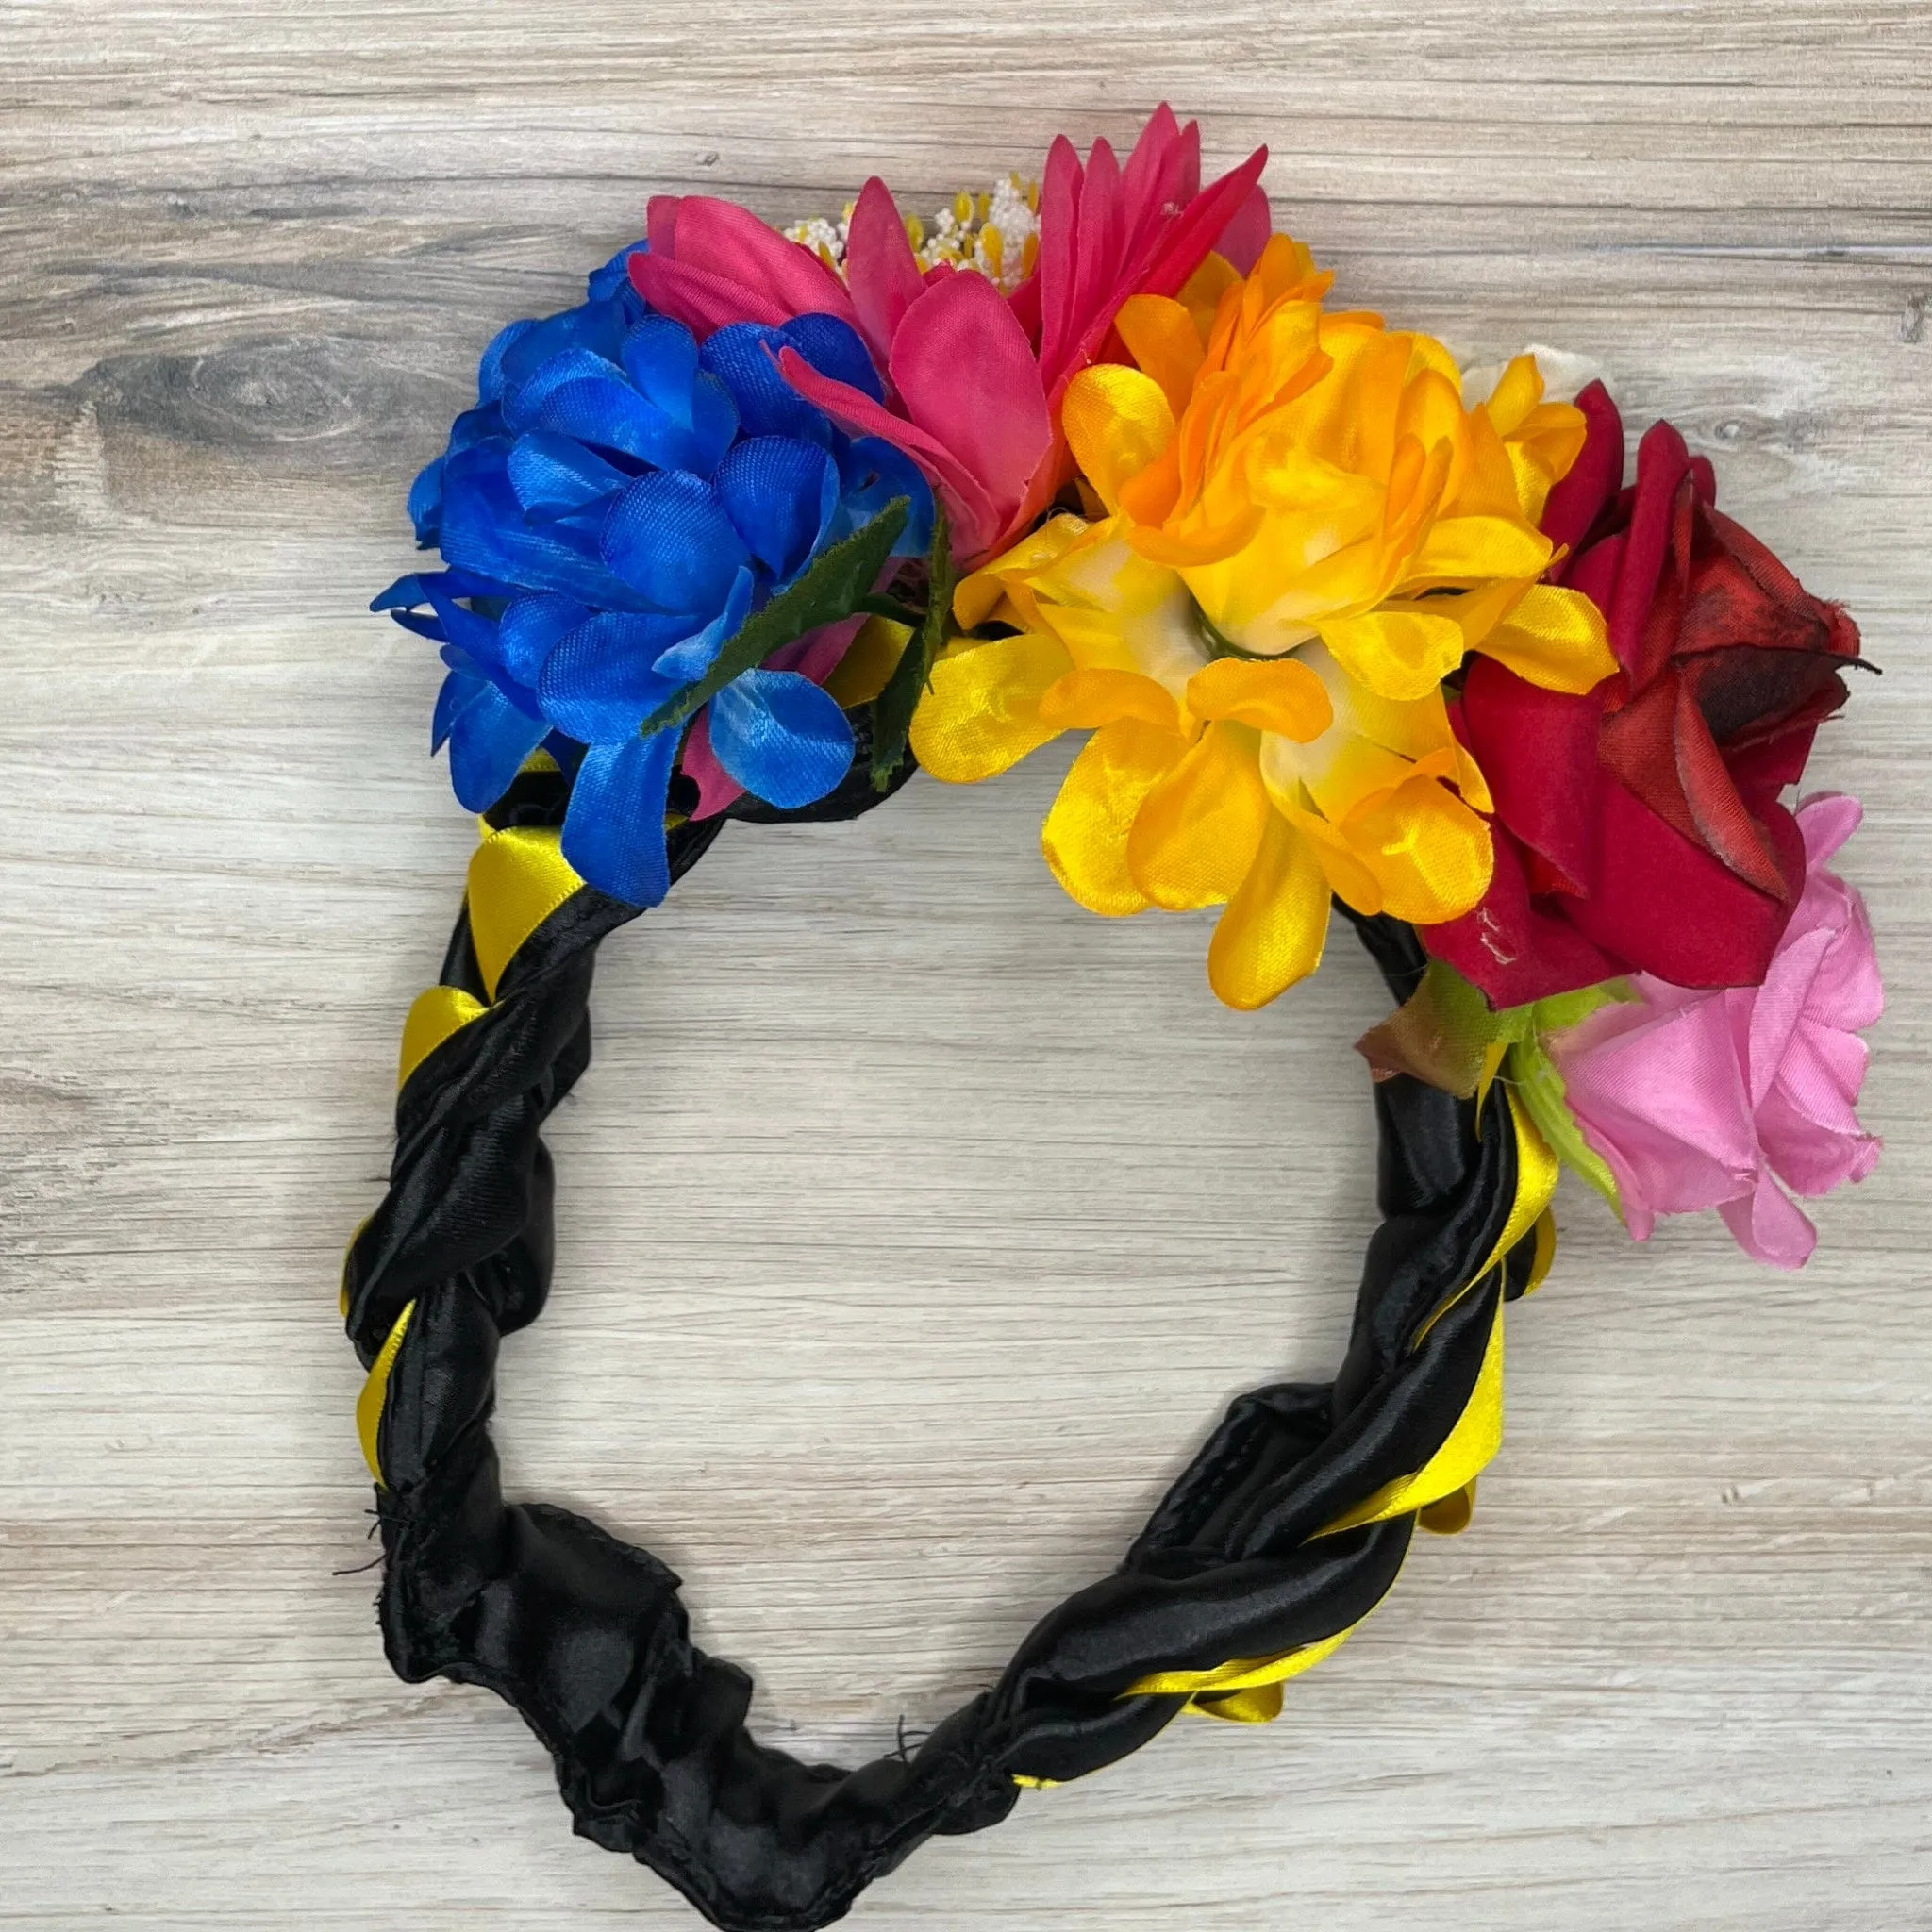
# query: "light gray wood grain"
915 1224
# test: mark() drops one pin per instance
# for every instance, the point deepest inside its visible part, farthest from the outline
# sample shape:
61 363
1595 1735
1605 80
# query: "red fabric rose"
1638 827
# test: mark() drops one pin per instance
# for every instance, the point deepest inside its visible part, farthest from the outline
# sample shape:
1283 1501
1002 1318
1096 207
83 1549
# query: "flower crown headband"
770 522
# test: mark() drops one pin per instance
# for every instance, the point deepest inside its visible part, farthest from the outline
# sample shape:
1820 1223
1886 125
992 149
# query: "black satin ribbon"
585 1635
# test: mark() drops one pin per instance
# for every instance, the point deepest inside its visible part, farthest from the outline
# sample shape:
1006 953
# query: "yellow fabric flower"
1303 532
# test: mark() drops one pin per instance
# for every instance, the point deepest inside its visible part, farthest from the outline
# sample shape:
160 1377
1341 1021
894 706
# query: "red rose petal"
1538 749
1514 949
1668 907
1577 502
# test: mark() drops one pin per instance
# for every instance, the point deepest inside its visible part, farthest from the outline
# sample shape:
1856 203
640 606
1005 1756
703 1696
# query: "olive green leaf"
891 710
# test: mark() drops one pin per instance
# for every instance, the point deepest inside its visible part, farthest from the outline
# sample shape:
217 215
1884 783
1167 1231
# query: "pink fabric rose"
1709 1099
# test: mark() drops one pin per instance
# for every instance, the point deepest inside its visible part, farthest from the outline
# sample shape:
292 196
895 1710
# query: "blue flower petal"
691 658
401 595
463 664
599 682
834 348
458 689
598 327
430 628
660 356
614 833
552 475
414 589
489 375
475 427
744 355
530 629
781 495
612 280
872 473
426 503
781 737
488 739
583 395
713 422
484 530
668 537
466 629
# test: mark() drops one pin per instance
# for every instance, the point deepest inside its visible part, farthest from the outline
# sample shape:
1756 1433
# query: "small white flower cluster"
997 233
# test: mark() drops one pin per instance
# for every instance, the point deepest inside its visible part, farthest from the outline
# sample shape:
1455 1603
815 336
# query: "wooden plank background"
915 1224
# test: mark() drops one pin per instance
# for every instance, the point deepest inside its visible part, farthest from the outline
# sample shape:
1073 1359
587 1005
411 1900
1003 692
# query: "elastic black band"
585 1634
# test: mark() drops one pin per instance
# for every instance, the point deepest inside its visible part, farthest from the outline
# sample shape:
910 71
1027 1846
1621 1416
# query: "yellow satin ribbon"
1245 1690
518 878
1441 1494
375 1390
438 1012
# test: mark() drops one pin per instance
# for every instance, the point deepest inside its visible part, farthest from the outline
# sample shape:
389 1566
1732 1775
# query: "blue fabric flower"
618 502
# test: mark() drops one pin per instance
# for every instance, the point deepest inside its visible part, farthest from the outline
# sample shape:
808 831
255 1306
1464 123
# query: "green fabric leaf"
838 583
891 710
1447 1034
1537 1083
1437 1034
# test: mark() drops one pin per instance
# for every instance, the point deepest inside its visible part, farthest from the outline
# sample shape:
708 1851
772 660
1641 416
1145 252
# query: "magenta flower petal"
966 376
976 520
880 268
1060 204
1162 172
703 301
722 241
1245 235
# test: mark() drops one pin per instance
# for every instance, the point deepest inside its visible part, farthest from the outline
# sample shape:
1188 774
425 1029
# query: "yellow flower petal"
1116 611
1518 391
1354 772
1085 700
1117 422
1469 780
1404 652
862 673
1461 548
1275 926
1286 270
981 712
1431 855
1085 836
1207 287
1348 877
1279 695
1002 588
1553 638
1201 825
1161 337
1200 543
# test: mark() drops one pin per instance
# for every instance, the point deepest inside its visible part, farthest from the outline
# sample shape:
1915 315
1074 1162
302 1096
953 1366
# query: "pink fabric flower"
1709 1099
974 378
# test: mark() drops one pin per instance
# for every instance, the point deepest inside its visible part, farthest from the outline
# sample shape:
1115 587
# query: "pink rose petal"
1709 1099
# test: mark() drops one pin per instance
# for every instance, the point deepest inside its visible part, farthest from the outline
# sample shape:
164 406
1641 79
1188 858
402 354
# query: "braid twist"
1279 1537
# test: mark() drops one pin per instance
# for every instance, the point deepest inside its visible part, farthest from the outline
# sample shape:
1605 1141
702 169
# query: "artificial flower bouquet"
772 514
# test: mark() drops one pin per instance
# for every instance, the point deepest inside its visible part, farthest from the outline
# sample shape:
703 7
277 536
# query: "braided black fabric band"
585 1635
